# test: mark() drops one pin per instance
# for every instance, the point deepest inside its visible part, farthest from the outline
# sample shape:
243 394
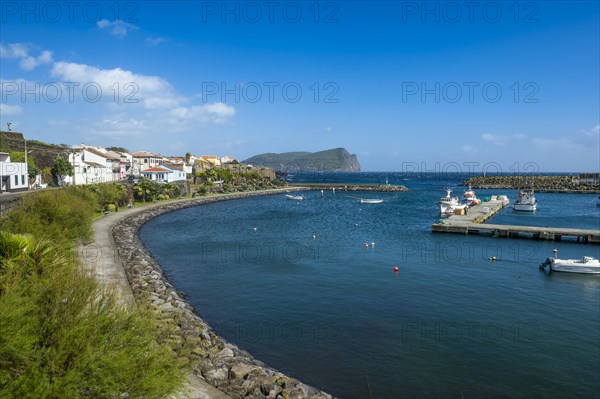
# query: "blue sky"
404 85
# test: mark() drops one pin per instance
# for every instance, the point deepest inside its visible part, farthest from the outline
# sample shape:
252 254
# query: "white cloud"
14 50
329 129
21 52
117 28
583 140
29 63
469 149
152 91
155 41
217 113
593 132
6 109
501 139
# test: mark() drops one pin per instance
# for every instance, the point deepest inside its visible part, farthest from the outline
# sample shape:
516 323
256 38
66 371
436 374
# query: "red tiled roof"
158 169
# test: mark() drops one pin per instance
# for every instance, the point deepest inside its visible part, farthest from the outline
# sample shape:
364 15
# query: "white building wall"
13 176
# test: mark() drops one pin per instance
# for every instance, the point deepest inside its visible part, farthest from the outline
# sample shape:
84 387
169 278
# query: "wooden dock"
473 223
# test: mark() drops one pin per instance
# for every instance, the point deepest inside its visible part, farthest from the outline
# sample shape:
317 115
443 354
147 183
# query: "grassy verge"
61 335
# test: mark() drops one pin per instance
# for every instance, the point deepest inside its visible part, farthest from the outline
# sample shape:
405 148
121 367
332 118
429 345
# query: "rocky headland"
334 160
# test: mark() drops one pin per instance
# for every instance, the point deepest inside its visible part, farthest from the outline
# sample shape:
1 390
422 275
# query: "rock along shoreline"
221 364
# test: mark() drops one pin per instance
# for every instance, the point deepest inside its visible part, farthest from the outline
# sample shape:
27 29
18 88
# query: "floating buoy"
395 268
372 245
366 245
254 229
314 236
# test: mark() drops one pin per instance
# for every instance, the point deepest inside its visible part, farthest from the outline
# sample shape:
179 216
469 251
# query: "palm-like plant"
13 247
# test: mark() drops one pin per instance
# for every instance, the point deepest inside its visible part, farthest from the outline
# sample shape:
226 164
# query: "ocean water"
292 283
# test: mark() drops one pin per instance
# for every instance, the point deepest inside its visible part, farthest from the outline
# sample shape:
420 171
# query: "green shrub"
61 336
63 215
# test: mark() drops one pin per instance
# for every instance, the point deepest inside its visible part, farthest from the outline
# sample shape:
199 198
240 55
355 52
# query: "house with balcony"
13 175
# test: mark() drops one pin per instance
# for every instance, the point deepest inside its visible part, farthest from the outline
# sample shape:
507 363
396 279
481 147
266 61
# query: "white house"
227 159
90 166
13 175
165 173
146 160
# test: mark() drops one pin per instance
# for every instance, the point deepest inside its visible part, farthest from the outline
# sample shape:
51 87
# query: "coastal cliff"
334 160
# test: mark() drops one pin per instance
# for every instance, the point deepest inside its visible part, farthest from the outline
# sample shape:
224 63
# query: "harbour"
473 223
297 262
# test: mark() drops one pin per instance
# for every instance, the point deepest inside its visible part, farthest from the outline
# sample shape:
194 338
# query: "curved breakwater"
221 364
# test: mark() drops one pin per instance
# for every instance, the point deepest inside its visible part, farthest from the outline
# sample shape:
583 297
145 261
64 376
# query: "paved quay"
101 258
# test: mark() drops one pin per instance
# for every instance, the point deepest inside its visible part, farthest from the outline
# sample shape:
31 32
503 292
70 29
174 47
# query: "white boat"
526 201
371 200
294 197
586 264
469 197
447 203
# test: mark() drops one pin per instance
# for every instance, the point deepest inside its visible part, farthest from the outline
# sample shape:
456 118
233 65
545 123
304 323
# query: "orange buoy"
395 268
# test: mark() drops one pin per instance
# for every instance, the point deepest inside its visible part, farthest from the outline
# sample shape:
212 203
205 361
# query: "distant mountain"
335 160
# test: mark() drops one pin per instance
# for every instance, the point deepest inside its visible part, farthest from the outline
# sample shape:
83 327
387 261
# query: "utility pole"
26 164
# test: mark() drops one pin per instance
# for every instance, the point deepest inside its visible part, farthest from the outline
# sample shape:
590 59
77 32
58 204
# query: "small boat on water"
371 200
526 201
469 197
447 203
294 197
586 264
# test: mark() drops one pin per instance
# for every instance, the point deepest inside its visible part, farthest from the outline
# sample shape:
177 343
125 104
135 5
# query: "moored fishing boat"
526 202
586 264
447 203
469 197
294 197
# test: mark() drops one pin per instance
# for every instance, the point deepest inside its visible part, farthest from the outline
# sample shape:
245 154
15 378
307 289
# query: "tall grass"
61 334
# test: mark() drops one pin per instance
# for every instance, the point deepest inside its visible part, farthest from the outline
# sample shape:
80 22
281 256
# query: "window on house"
145 160
16 180
23 179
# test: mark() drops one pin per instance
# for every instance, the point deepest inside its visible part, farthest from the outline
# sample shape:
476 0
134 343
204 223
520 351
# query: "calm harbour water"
333 313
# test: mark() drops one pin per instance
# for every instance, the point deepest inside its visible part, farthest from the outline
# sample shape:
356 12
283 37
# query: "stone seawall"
221 364
350 187
553 184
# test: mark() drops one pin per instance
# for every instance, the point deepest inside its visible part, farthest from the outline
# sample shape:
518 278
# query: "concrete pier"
473 223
